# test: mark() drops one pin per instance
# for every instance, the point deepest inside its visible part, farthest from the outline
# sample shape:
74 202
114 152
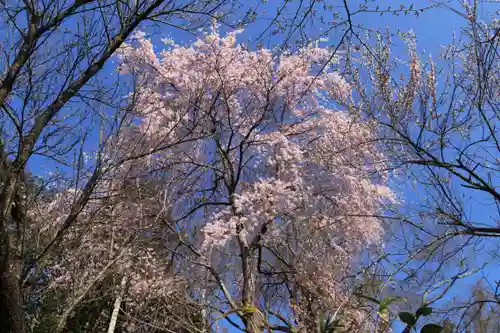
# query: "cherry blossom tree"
284 182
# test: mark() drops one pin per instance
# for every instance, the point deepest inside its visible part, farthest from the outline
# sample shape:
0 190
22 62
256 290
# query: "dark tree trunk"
11 304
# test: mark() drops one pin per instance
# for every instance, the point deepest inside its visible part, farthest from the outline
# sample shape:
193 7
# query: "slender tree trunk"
252 319
116 306
11 304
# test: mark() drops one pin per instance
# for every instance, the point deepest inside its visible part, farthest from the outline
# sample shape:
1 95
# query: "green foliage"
431 328
408 318
411 319
424 311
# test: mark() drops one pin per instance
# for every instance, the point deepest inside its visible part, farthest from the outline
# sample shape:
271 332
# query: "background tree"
439 120
51 96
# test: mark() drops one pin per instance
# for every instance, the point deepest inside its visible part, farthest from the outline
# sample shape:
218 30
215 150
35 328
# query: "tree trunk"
11 301
117 305
11 304
253 322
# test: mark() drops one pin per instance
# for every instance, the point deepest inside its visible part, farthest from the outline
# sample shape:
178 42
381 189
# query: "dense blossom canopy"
258 157
300 177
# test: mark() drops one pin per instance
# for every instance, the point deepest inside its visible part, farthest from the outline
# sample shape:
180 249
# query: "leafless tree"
54 92
440 120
